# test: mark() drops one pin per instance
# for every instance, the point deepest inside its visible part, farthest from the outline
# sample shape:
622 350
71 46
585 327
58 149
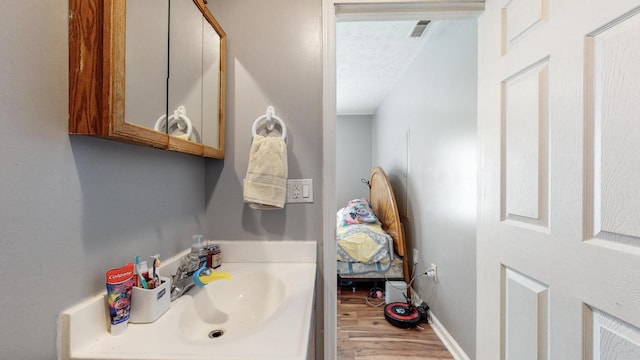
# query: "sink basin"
264 312
226 310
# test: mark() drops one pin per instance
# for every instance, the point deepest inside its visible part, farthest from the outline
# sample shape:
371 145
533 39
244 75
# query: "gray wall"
353 160
274 57
436 102
71 207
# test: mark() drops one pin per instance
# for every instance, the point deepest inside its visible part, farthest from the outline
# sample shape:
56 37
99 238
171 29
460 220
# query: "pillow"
357 211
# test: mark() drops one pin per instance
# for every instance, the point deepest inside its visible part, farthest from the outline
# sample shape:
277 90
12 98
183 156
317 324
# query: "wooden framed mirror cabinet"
132 74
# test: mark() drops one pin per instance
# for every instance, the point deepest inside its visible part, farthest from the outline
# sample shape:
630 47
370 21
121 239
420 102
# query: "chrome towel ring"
271 120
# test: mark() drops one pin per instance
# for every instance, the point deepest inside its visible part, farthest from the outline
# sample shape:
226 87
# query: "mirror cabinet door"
185 71
211 83
146 63
196 50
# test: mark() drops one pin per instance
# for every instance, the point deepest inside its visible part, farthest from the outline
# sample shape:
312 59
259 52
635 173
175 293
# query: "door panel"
612 338
525 146
521 17
612 76
559 177
525 317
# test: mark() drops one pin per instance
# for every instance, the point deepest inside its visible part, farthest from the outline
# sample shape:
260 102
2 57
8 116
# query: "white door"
559 216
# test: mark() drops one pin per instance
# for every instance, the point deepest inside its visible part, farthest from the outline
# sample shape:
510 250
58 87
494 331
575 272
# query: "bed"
383 203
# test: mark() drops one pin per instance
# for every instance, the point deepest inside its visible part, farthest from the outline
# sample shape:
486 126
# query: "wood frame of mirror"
97 78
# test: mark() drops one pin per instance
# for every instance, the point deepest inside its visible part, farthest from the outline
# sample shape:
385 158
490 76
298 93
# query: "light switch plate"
300 190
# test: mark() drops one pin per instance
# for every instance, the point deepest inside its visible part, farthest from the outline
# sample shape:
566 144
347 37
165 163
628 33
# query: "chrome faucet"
184 281
190 273
181 283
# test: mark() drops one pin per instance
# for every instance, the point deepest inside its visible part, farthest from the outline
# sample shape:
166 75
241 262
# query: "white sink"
228 310
263 312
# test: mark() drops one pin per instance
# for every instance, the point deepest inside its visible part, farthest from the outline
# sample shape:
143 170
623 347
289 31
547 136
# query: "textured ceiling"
370 57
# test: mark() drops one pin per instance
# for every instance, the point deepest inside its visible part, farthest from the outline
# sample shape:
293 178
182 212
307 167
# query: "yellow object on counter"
213 276
205 275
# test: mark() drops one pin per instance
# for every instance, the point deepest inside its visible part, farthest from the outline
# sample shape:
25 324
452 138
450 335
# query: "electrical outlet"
432 272
296 190
300 190
415 256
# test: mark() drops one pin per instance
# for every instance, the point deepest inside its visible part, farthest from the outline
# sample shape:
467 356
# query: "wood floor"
365 334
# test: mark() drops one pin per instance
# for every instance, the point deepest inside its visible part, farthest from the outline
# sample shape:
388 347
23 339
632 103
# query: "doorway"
357 12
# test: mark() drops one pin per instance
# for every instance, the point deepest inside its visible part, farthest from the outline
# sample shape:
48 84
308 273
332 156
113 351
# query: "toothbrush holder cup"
147 305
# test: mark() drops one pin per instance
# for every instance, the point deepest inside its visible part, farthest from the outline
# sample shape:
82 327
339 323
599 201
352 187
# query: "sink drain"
216 334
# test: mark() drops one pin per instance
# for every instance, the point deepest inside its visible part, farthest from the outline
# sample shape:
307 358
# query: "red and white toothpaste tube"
119 289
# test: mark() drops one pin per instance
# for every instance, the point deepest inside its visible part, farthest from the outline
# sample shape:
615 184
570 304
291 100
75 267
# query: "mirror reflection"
211 83
146 61
185 74
173 70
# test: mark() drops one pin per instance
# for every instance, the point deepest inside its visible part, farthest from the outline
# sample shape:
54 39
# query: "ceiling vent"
420 27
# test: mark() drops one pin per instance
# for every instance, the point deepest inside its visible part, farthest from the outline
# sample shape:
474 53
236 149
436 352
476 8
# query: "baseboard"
446 338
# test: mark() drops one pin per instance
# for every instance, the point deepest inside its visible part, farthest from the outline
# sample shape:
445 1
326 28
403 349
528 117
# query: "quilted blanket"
363 243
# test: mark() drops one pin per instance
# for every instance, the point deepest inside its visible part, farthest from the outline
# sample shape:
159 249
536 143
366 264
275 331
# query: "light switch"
305 190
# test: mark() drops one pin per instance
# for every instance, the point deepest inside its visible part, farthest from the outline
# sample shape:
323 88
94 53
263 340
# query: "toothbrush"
156 272
141 278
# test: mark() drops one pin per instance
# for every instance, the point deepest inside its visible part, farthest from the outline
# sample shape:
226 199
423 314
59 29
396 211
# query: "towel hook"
271 120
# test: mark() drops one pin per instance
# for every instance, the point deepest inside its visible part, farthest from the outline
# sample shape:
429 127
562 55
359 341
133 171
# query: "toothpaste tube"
119 289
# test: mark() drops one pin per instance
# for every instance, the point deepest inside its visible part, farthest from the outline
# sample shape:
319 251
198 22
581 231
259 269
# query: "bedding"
357 211
365 243
350 270
363 249
369 235
361 244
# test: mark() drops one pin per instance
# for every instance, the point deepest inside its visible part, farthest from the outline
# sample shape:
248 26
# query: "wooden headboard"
385 207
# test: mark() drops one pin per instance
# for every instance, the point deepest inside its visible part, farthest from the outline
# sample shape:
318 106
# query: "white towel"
265 185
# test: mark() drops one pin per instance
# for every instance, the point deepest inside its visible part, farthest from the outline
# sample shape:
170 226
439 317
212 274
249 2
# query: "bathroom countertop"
83 329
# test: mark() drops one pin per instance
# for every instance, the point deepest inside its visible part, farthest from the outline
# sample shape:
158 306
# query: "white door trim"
358 10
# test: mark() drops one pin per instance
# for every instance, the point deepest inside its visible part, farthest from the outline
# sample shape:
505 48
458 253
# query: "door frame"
354 10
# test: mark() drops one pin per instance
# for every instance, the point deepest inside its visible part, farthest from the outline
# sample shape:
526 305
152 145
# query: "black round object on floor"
402 315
